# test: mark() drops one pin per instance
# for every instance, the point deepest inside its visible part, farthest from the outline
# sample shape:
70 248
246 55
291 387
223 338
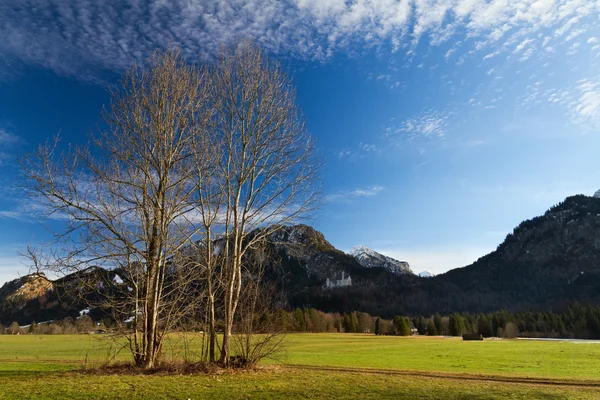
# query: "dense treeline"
580 322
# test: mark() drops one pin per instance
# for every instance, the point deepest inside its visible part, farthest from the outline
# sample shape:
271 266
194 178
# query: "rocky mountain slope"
547 262
371 259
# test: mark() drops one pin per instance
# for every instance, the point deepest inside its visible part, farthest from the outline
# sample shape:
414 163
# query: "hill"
547 262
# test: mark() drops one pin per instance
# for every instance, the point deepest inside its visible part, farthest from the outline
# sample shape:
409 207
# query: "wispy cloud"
369 148
81 38
428 124
347 195
358 152
585 108
581 101
28 210
345 153
7 140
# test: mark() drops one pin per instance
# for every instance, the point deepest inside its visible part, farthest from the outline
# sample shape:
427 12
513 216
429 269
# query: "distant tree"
437 320
431 329
495 325
470 325
56 329
339 323
282 320
353 322
455 325
365 322
510 330
377 327
299 324
307 320
402 326
33 327
484 326
346 323
14 328
421 325
562 332
84 324
592 323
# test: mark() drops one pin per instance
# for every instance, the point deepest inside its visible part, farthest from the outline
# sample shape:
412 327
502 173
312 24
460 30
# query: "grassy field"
317 366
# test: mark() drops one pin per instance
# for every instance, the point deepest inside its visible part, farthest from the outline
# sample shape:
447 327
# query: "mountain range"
547 262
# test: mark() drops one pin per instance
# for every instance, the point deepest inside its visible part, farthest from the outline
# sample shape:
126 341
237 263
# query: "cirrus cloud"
347 195
81 38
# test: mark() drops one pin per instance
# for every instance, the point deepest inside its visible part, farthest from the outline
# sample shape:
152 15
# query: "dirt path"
456 376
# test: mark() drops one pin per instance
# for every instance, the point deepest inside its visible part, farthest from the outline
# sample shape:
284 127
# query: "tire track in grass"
406 373
454 376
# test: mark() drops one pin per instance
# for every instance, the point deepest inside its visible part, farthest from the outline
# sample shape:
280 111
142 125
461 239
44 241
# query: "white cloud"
369 148
585 107
366 192
344 153
28 210
346 195
581 101
490 55
84 38
428 124
523 45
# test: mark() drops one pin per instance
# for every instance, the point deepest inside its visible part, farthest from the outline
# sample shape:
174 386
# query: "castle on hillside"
343 282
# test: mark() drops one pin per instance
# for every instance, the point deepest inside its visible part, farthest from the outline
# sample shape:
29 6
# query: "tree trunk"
212 334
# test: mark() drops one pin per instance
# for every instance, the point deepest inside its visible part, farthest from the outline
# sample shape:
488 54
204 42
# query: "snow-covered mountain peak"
426 274
369 258
358 251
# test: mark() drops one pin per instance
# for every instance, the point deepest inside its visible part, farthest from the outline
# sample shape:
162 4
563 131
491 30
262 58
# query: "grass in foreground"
562 360
274 384
319 366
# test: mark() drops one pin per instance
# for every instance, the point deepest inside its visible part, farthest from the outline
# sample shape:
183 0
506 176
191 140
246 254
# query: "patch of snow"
217 250
83 312
371 259
425 274
117 279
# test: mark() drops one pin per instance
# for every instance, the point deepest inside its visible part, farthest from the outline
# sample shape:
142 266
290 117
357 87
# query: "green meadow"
313 366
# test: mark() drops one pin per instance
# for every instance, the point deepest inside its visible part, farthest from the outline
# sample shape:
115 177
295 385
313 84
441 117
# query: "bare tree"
163 207
126 198
260 330
268 164
209 212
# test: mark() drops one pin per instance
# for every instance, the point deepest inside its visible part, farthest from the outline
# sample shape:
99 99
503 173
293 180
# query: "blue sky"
444 123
